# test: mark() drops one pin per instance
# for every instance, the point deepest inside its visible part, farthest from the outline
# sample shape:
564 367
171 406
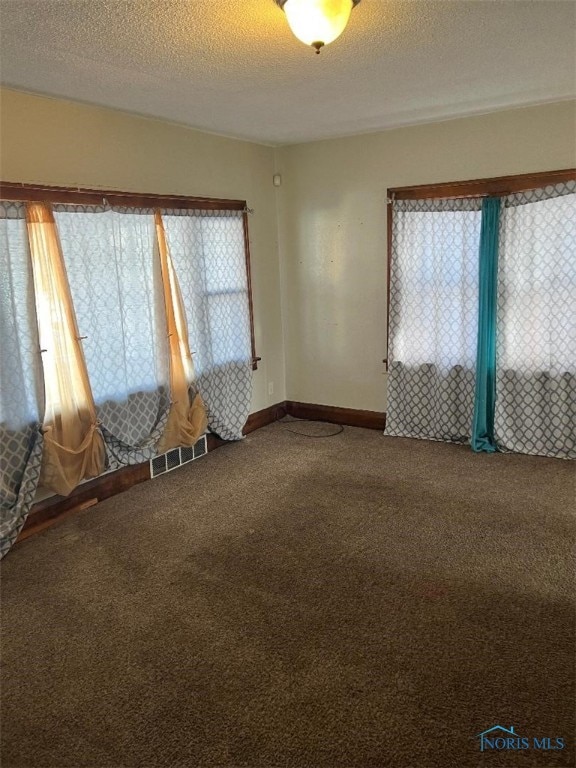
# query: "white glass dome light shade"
318 22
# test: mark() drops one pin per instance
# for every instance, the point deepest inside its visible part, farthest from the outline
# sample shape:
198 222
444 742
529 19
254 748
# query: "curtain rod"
478 195
21 192
107 204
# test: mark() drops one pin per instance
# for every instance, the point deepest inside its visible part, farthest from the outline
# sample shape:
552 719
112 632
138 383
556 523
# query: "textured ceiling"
235 68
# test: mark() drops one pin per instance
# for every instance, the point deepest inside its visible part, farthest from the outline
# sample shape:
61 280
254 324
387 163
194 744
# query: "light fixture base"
282 3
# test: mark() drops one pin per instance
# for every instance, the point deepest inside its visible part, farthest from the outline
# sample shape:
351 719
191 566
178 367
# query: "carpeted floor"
285 601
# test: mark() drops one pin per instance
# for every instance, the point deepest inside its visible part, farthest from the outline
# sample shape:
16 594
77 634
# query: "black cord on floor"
339 430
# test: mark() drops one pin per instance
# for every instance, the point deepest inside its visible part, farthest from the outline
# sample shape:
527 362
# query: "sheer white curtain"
115 281
536 332
21 385
208 253
433 318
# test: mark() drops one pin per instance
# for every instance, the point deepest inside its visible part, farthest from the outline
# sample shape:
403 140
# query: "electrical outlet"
270 387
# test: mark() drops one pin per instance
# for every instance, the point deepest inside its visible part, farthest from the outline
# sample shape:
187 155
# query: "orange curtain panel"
186 420
73 445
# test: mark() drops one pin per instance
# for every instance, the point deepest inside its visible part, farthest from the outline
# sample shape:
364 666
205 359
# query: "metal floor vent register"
176 457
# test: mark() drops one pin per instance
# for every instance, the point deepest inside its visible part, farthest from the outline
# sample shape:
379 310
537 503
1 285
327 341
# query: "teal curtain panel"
485 396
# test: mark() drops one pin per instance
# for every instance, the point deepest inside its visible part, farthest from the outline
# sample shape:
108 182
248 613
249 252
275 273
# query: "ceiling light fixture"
317 22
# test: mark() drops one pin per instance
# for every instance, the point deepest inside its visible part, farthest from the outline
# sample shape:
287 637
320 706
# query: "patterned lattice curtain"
208 253
433 319
116 286
21 386
536 327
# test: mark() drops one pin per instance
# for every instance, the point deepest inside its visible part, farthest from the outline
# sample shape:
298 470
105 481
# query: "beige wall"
322 235
51 141
333 233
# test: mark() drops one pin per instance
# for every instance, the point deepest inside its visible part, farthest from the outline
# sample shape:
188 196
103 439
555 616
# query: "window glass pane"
19 347
224 255
435 272
210 263
537 286
117 294
230 326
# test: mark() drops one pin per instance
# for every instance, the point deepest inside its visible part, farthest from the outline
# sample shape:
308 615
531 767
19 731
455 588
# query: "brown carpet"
285 601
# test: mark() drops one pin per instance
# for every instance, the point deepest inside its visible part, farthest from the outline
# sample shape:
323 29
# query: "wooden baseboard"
38 521
264 417
350 417
55 508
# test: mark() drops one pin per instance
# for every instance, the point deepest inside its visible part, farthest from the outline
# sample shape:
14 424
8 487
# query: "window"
118 371
482 334
537 285
435 274
220 235
207 249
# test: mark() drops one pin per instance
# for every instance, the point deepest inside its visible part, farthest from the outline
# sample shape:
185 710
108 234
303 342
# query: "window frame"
17 192
498 186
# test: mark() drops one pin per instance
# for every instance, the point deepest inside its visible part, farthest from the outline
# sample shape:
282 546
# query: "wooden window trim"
255 358
498 186
82 196
16 192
